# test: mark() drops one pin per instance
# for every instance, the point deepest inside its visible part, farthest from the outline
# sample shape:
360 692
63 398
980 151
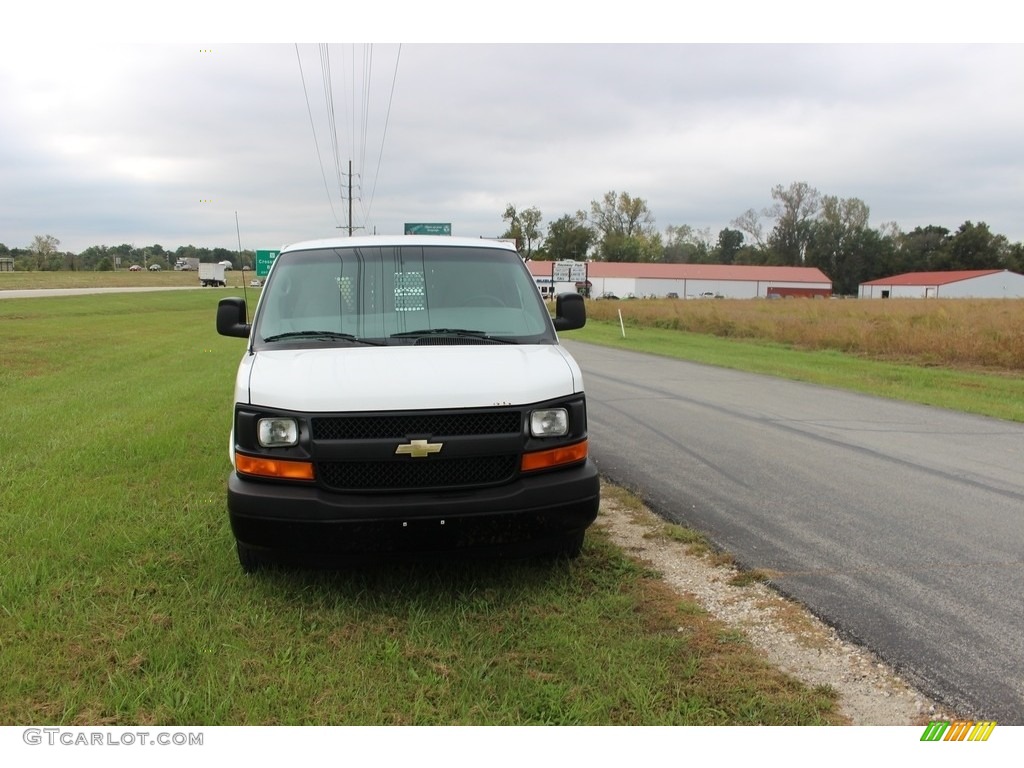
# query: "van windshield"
400 295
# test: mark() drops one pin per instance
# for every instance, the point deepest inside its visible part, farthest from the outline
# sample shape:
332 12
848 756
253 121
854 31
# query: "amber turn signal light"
568 454
277 468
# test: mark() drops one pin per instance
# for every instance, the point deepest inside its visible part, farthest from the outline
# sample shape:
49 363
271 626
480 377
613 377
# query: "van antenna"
241 268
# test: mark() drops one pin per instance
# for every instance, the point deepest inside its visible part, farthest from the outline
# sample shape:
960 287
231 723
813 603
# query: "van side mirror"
570 312
232 319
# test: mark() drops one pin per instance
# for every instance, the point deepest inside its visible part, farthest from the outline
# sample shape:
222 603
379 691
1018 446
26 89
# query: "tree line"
44 255
802 227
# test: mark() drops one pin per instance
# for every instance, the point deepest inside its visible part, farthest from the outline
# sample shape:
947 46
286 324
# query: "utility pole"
350 198
350 227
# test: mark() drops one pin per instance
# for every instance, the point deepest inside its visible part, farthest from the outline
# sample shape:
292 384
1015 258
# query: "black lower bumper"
532 512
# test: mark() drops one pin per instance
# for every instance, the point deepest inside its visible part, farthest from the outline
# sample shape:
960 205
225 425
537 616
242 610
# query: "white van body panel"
406 396
407 377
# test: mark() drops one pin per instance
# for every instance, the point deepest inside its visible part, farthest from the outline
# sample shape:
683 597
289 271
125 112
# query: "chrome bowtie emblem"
418 448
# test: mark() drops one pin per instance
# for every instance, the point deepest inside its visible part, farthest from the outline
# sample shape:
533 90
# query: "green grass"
120 279
993 394
121 601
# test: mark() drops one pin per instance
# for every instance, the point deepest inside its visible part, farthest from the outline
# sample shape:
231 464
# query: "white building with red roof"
627 279
960 284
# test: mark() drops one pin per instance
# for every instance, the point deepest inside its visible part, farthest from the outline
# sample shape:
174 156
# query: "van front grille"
401 426
416 474
355 452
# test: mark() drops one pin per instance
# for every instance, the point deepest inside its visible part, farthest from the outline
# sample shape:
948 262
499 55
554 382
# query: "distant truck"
211 274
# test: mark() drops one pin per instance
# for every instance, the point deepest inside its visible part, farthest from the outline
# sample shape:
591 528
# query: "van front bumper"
532 513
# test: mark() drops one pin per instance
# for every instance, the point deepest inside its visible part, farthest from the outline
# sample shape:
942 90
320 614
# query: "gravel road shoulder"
870 692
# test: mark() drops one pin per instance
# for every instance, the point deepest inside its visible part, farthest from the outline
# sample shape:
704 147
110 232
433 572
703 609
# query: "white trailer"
211 274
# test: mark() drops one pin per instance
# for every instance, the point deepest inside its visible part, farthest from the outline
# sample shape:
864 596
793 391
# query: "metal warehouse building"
689 280
964 284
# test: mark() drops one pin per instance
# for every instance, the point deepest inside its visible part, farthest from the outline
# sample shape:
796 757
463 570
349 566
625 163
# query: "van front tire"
250 560
569 547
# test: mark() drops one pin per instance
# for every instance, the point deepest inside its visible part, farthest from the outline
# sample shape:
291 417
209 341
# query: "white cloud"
164 143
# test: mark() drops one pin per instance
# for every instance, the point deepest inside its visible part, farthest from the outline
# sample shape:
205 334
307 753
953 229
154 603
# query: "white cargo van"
406 395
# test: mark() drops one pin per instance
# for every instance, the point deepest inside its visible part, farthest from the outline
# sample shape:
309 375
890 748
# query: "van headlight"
550 422
277 432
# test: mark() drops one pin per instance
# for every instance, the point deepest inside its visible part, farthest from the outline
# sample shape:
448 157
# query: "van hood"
408 377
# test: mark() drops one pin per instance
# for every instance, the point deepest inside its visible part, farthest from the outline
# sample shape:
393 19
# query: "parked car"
154 267
672 295
607 295
134 268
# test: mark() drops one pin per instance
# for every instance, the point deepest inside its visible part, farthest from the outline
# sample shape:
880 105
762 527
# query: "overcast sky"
164 142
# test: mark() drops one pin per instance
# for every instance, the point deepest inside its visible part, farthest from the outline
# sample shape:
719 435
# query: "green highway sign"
263 261
428 229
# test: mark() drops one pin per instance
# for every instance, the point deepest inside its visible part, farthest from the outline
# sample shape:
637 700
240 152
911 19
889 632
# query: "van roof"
392 240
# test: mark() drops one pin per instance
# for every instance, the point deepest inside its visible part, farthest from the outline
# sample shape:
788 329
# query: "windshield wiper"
320 335
465 332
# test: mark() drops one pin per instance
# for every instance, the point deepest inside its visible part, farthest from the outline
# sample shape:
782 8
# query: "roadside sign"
428 229
263 261
569 271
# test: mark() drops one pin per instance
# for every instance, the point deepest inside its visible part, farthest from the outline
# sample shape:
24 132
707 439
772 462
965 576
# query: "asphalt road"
900 525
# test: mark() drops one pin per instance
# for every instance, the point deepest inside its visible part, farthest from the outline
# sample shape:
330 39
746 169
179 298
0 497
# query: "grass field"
960 333
122 278
964 355
121 601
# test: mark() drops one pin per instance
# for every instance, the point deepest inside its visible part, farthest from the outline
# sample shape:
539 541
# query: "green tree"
125 252
247 259
838 242
524 226
625 229
621 214
975 247
888 259
632 248
568 237
223 254
922 250
1015 257
749 223
794 211
43 248
154 254
91 256
685 245
730 241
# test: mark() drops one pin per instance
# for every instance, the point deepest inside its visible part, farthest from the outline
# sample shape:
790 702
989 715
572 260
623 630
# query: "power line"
359 121
316 143
384 134
325 73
